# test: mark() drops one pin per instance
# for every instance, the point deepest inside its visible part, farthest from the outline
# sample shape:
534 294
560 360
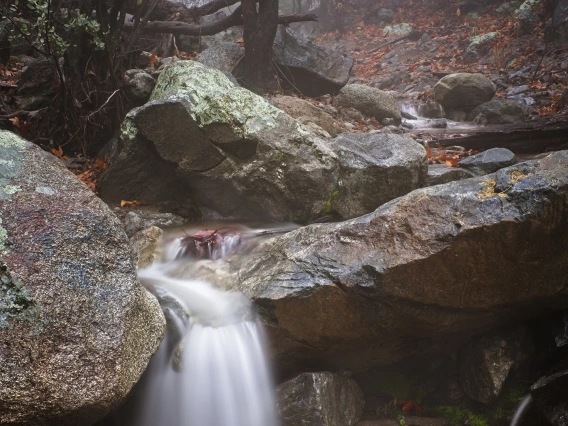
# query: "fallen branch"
15 114
213 28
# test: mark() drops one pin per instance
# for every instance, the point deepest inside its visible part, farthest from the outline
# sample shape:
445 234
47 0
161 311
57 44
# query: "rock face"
76 328
370 101
222 56
499 111
421 272
551 397
238 156
463 91
488 362
374 169
315 71
306 113
488 161
320 399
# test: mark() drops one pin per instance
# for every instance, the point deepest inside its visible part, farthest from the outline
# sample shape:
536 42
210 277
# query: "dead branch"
232 20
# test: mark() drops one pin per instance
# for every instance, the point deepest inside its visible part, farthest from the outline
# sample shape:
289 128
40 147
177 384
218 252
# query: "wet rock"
500 111
319 399
139 84
440 173
488 161
527 19
137 220
305 112
77 328
374 169
463 91
421 272
490 360
550 395
370 101
314 70
245 158
144 246
222 56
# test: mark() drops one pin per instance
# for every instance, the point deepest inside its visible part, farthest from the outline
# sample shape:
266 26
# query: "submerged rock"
320 399
76 327
370 101
421 273
374 169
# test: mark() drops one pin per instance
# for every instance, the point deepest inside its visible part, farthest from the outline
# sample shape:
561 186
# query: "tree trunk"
259 32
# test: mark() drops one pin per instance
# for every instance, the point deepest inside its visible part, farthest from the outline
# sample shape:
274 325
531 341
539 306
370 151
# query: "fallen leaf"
125 203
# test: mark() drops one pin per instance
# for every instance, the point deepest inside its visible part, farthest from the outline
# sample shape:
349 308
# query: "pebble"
517 90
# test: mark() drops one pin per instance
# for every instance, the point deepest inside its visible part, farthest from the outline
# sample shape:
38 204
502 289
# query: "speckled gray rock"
440 173
488 161
499 111
306 112
76 327
374 169
315 70
488 361
370 101
421 272
319 399
227 148
223 56
139 219
463 91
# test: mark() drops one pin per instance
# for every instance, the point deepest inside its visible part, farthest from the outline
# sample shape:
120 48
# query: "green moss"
508 401
460 415
329 201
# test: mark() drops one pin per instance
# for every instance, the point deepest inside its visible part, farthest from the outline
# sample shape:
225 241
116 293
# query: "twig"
286 78
102 106
15 114
142 24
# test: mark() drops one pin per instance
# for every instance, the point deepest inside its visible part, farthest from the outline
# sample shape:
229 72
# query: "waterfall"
210 370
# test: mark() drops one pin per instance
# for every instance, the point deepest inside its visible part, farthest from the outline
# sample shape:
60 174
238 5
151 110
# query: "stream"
210 369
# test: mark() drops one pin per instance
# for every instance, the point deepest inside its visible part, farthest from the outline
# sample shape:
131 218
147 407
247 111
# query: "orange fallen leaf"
152 59
58 153
125 203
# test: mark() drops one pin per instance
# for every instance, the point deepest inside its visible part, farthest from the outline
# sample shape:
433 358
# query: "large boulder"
223 56
499 111
312 69
306 113
370 101
463 91
76 327
319 399
374 169
419 274
488 161
238 156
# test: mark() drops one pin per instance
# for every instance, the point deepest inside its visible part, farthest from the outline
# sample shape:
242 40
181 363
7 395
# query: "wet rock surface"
488 161
374 169
319 399
76 327
330 292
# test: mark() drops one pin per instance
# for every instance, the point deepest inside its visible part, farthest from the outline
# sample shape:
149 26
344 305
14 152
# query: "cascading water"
210 370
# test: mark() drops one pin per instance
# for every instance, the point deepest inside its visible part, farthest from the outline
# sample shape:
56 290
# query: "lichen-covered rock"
488 361
463 91
319 399
440 173
314 70
223 56
76 327
370 101
479 46
423 271
499 111
306 113
139 84
235 154
488 161
374 169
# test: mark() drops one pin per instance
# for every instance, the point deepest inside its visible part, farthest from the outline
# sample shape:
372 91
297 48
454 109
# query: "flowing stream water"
210 370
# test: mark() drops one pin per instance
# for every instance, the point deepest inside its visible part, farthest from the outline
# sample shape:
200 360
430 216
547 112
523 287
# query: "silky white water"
210 370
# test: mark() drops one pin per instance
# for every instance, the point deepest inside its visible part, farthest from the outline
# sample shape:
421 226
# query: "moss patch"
461 416
489 190
329 201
